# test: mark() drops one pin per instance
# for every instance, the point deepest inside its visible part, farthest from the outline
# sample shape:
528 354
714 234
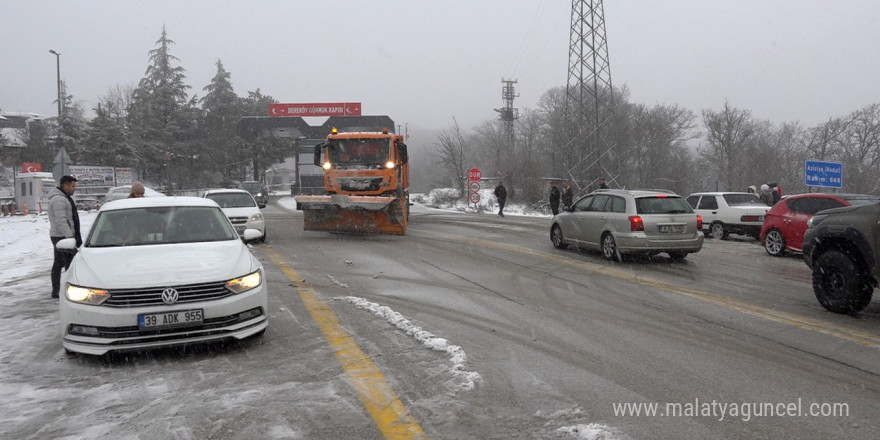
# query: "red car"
785 223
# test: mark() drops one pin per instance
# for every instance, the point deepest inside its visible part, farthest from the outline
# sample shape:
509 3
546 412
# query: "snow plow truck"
366 179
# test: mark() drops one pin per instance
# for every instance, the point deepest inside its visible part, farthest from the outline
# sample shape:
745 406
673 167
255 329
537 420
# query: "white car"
241 208
160 271
727 213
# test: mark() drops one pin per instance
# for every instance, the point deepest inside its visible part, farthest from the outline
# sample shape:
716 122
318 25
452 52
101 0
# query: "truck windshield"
359 151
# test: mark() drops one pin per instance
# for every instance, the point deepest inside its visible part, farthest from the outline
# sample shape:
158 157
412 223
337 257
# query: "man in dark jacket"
567 196
501 196
63 223
554 198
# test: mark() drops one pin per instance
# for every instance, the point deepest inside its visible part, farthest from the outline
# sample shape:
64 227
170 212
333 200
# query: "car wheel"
774 243
719 232
677 255
557 238
263 238
609 247
840 283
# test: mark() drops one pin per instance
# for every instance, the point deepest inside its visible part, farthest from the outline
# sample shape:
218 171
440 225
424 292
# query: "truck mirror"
318 154
404 156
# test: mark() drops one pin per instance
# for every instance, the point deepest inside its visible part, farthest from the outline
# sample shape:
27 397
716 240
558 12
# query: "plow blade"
353 214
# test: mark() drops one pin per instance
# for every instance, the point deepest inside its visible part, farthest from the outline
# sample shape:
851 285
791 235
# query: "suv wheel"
774 243
840 284
719 232
556 237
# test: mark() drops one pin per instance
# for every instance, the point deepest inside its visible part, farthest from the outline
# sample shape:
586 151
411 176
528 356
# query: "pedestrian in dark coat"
63 223
602 184
501 196
554 198
567 196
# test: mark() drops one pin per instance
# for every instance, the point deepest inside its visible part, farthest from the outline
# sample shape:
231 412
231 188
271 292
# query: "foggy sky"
423 63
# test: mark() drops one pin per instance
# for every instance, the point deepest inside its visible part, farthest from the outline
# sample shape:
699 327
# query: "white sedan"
160 271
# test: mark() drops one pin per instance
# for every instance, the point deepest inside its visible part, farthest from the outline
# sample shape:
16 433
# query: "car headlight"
256 217
86 295
815 220
245 283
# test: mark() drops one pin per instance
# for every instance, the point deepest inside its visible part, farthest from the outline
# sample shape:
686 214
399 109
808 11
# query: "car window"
862 201
708 202
829 204
159 225
742 199
583 204
599 202
616 204
692 200
232 200
805 205
662 205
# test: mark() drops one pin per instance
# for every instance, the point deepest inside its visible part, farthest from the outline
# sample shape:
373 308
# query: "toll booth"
32 190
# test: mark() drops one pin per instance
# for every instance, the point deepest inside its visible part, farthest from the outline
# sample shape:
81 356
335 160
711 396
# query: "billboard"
123 176
93 177
326 109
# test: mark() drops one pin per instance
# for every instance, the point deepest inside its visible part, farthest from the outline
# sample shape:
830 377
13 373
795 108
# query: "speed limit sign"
475 198
475 186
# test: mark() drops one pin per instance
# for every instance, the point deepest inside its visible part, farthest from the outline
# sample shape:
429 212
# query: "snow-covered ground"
26 259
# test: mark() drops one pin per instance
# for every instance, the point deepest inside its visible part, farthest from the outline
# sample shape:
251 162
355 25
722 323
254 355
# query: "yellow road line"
702 295
391 416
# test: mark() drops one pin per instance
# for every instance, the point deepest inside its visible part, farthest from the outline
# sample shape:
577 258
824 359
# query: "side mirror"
404 156
251 235
318 154
68 244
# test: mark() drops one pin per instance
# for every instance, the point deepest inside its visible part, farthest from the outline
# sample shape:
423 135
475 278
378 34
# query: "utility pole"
590 150
507 115
61 158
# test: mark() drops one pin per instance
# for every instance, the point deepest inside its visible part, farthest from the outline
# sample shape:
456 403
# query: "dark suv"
257 190
840 246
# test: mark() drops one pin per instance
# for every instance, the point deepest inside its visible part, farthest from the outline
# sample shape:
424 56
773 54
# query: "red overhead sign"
326 109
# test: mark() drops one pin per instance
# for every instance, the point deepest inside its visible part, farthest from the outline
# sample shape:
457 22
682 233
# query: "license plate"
170 319
671 229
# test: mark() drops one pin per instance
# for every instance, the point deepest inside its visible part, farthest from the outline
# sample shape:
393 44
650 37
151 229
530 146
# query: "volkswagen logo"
169 295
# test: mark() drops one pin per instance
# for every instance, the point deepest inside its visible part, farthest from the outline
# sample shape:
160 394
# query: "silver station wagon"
619 222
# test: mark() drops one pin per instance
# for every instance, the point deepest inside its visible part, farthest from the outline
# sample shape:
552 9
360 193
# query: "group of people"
557 196
64 223
770 193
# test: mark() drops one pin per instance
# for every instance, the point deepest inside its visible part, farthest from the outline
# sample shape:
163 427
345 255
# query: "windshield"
251 187
364 152
742 199
160 225
662 205
232 200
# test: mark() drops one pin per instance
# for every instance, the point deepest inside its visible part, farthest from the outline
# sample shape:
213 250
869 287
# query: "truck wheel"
719 232
840 284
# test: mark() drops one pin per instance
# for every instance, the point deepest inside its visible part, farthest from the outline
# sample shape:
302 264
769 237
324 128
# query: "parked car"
726 213
241 209
619 222
261 195
122 192
160 271
841 248
785 223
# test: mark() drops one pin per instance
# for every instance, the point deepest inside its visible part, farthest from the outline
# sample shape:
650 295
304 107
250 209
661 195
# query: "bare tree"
452 149
728 134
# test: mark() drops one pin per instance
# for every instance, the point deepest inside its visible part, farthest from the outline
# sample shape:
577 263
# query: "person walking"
567 196
63 223
501 196
554 198
137 190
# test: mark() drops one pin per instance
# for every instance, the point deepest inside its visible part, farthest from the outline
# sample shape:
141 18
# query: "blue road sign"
821 173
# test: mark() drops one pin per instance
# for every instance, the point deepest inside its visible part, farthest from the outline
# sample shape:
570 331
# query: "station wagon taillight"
636 223
699 222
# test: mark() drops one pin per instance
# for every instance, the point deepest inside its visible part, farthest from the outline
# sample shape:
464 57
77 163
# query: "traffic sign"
475 185
316 109
475 174
475 198
825 174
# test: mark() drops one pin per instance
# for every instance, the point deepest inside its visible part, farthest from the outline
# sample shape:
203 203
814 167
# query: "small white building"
33 189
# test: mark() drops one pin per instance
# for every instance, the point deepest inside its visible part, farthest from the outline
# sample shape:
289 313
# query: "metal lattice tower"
589 153
508 114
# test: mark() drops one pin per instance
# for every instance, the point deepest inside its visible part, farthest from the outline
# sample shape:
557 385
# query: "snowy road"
508 338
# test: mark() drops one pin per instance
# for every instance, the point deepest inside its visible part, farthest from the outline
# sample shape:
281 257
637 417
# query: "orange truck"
366 180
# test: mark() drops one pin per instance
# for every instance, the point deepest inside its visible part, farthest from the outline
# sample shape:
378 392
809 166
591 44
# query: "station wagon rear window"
662 205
